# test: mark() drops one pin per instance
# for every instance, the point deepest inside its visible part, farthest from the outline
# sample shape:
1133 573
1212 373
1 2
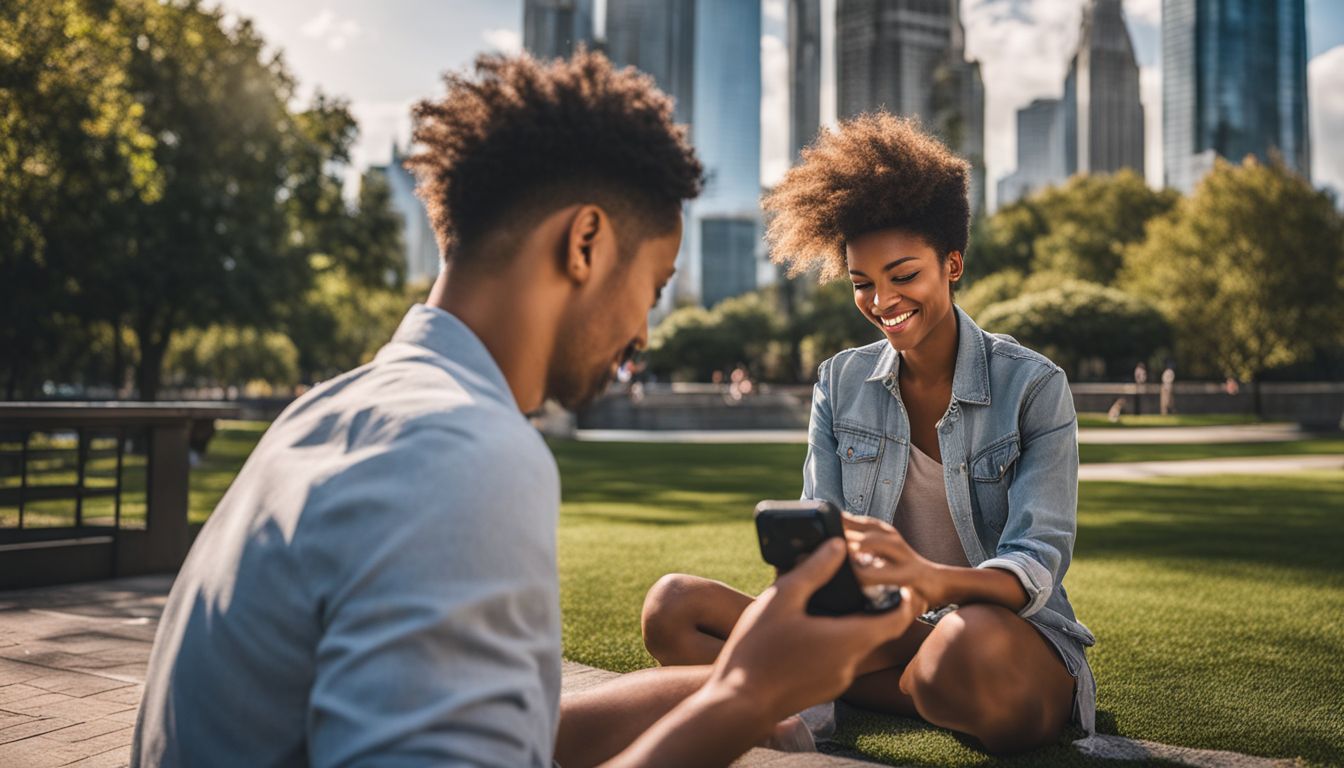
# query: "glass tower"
554 28
1234 84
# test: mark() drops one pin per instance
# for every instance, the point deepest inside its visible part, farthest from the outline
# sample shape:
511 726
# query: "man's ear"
590 237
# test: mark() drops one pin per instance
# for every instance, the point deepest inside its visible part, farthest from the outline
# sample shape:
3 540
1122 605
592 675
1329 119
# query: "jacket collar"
970 378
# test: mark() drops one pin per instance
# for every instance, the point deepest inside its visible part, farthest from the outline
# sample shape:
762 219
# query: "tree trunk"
118 365
149 370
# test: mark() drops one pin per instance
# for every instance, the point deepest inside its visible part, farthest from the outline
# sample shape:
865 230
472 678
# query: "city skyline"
1024 45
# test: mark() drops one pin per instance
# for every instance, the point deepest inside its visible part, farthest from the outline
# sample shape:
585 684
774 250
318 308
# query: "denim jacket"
1009 442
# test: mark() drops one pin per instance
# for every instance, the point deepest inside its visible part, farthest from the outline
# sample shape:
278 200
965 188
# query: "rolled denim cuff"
1035 578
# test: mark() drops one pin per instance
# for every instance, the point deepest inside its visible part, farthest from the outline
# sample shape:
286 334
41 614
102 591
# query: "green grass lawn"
1096 453
1218 602
1174 420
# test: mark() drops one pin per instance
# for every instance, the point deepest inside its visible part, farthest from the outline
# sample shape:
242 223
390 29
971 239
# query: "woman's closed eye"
905 278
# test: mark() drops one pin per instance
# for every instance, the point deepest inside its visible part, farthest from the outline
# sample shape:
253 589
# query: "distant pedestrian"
1140 378
1117 408
1167 398
1232 386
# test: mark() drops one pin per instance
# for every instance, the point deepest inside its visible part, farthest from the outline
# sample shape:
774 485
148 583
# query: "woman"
955 451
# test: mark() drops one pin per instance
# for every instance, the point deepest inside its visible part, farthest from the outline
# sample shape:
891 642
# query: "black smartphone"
788 530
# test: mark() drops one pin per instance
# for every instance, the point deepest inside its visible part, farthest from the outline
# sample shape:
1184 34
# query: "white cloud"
774 12
774 109
1024 47
1325 85
503 40
331 29
1144 11
381 123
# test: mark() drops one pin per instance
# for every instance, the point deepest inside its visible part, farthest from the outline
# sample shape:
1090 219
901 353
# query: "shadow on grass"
1277 521
910 741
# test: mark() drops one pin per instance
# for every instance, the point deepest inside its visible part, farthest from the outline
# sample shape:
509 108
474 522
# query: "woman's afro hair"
873 172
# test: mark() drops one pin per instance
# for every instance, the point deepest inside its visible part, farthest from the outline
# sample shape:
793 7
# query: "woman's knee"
669 612
969 676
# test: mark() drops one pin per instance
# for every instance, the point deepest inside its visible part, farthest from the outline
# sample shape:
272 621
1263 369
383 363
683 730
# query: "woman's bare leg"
686 619
985 672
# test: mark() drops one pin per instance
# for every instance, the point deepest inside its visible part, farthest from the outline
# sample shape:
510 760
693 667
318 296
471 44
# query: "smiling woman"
954 450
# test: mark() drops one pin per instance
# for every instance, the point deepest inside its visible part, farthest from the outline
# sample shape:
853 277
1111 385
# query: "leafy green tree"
830 322
695 342
1249 270
230 356
1077 322
1091 221
74 154
1079 229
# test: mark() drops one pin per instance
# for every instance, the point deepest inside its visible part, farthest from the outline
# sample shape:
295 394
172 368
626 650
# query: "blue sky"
385 55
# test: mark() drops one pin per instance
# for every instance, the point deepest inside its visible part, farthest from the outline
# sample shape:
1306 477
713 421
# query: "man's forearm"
976 585
712 727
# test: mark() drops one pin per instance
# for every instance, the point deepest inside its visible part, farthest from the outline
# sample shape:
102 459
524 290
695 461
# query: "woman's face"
900 285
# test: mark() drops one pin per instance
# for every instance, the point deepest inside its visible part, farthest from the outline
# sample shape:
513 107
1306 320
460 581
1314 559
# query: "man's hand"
881 556
777 661
788 660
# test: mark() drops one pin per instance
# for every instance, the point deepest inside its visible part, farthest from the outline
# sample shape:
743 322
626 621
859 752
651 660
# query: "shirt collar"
970 378
445 335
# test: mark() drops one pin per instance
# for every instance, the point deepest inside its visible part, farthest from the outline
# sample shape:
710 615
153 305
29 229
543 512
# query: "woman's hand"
881 556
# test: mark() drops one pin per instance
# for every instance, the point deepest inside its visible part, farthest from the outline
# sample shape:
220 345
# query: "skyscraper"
1040 151
706 54
908 57
1102 95
804 74
1234 84
554 28
419 246
657 37
727 251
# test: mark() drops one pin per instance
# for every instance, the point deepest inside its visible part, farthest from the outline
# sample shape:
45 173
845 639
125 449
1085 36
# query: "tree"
695 342
74 154
1077 322
1249 270
229 356
1079 229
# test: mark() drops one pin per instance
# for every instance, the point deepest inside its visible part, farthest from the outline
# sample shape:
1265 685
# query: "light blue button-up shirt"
378 586
1009 442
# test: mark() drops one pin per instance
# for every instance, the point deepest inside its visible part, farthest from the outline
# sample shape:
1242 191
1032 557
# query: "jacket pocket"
859 453
991 476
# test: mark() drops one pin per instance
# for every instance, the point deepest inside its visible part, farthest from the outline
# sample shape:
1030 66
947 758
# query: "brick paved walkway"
72 669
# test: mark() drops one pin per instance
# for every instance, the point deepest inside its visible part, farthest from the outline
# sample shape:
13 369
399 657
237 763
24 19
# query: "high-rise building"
420 247
1102 95
706 54
727 251
908 57
1040 151
657 37
1234 83
804 43
554 28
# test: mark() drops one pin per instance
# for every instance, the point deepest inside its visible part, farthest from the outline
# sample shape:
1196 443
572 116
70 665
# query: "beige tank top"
922 514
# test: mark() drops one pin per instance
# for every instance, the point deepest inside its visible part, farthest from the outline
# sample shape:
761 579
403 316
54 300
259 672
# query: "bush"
1077 324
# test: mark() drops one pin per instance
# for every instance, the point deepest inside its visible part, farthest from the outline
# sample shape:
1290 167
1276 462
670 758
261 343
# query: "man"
378 587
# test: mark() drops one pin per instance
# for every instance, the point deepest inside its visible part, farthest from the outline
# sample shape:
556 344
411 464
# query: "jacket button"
850 453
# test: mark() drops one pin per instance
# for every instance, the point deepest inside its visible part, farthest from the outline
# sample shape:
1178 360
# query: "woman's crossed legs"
983 671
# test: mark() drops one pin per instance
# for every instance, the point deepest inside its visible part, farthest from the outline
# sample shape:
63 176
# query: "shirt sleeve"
1037 541
821 469
439 606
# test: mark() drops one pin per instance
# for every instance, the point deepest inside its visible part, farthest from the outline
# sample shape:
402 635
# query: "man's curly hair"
873 172
522 138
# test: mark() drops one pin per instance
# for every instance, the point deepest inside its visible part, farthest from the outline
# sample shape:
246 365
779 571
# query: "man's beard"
575 393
